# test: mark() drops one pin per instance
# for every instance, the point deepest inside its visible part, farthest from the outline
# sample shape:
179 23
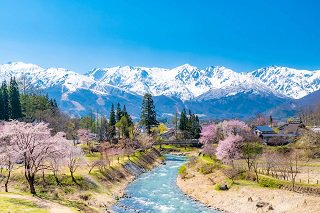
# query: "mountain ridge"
182 86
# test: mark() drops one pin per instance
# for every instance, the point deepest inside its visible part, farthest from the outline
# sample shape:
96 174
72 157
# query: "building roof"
290 128
278 135
264 128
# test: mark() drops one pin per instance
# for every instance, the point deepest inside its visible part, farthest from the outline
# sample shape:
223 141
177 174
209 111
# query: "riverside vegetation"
236 172
69 164
84 164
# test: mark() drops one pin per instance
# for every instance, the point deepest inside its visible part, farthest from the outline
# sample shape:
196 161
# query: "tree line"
26 107
10 106
189 124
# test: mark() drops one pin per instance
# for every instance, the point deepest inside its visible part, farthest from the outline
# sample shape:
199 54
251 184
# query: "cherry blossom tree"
208 134
234 127
84 136
32 143
74 158
229 149
208 149
8 159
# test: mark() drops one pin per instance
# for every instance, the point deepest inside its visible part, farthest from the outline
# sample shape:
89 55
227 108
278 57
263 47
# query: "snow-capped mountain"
189 82
183 86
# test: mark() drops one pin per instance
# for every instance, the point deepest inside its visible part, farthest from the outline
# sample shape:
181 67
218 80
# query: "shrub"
207 168
183 171
217 186
270 182
247 175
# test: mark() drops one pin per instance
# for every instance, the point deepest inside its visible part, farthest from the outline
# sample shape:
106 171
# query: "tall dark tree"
126 114
270 120
118 113
196 127
14 100
183 120
112 123
148 113
5 99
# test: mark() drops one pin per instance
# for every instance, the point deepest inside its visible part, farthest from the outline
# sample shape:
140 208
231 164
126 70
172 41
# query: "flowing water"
156 191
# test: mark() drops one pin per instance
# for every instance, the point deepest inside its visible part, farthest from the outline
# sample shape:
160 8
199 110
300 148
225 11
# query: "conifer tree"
148 113
196 127
5 99
126 114
183 120
112 123
14 100
118 113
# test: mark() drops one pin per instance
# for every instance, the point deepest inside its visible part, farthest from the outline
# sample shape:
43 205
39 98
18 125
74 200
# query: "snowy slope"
289 82
182 86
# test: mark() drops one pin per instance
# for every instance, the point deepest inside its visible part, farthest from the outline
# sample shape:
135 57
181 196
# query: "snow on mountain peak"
185 82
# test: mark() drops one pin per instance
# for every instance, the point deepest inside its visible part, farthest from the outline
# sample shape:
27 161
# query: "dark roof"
264 128
290 128
278 135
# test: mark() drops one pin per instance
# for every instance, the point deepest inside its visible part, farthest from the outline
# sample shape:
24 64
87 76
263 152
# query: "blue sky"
242 35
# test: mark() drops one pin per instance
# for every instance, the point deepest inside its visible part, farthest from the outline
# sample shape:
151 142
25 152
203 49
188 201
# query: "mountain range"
213 92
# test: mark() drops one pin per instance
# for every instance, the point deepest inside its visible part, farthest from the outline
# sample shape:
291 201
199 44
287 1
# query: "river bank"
156 191
244 197
128 173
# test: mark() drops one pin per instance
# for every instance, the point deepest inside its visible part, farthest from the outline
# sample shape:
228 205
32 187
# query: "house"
278 139
263 130
292 127
270 137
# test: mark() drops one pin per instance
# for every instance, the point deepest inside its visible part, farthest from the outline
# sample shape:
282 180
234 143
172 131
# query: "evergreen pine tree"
126 114
183 120
271 120
196 127
14 100
148 114
118 113
5 99
112 123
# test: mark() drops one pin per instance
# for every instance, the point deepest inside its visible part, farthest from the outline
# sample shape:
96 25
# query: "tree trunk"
7 181
56 178
73 179
31 185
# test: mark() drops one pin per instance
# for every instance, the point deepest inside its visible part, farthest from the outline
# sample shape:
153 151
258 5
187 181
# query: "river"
156 191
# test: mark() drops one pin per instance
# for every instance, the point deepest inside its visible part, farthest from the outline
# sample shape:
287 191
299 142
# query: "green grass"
269 182
17 205
207 159
92 157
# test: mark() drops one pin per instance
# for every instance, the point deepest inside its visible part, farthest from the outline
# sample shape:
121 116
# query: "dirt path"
51 206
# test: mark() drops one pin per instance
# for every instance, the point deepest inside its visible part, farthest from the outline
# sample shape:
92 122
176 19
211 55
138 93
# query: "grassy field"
17 205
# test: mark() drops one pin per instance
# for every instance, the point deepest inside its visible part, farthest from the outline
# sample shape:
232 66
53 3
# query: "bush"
207 168
217 186
270 182
247 175
182 171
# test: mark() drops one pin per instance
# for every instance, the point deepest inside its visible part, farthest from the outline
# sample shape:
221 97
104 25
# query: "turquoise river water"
156 191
